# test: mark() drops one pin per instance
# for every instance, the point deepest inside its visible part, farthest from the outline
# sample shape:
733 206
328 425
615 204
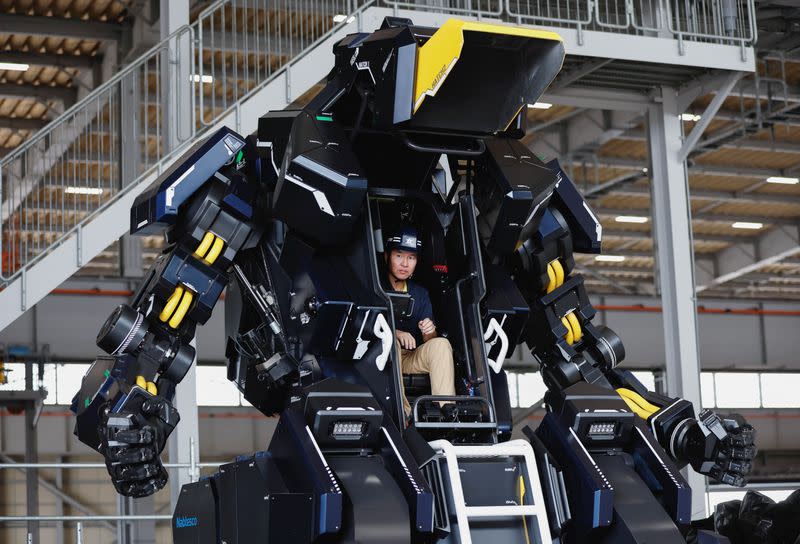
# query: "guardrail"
76 166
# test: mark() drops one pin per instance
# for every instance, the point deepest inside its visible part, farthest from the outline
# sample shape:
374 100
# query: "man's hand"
132 442
406 339
427 327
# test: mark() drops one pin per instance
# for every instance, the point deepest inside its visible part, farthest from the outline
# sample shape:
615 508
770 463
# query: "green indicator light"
239 156
324 118
107 373
86 404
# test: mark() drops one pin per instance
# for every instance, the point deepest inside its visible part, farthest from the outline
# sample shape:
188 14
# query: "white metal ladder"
512 448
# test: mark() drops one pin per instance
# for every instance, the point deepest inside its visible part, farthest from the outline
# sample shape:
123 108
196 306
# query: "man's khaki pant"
434 357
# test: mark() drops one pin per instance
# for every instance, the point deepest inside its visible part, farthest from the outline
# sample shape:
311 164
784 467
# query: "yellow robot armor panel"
474 78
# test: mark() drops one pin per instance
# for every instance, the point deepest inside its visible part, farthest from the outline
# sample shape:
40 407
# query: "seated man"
421 352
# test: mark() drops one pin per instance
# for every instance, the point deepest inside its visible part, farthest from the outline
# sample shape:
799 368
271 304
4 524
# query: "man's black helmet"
406 239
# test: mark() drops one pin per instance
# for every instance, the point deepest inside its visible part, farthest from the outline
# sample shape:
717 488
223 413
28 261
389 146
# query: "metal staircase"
65 194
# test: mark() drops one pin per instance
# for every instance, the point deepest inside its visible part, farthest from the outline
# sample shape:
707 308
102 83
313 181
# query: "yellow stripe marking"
577 333
171 304
559 270
570 337
216 249
205 243
183 307
551 275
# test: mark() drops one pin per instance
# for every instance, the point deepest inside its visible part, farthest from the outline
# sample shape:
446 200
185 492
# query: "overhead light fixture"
197 78
747 225
690 117
610 258
541 106
631 219
15 66
783 181
338 18
83 190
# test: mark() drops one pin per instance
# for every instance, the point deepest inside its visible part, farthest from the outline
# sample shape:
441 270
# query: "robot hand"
722 448
132 442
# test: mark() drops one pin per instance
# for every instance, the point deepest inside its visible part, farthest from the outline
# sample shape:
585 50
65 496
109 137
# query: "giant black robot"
414 140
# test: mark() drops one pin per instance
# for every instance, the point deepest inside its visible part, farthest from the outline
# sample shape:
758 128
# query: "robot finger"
144 435
129 455
745 452
132 473
738 467
142 488
729 478
744 437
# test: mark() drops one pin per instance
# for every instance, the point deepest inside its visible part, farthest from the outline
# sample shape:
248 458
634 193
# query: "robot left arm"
127 396
720 447
570 348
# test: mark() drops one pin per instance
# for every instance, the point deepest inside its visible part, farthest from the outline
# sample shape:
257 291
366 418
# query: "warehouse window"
779 390
707 396
737 390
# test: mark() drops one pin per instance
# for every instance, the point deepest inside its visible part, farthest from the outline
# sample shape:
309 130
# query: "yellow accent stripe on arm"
636 409
205 244
577 333
551 275
171 304
570 337
151 388
183 307
216 249
141 382
637 403
558 268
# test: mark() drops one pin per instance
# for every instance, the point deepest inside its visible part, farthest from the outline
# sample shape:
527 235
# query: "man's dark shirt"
422 310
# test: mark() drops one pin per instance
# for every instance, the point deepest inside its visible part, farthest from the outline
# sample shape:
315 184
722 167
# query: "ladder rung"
502 511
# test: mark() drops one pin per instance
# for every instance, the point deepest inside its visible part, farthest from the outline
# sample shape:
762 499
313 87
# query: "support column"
130 247
176 74
31 456
177 128
184 443
672 233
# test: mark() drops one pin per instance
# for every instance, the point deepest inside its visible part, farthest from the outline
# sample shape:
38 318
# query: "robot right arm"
206 207
570 348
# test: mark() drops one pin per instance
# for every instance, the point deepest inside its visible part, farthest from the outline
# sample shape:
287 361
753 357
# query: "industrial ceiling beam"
706 194
20 123
57 27
50 59
645 212
708 115
647 235
68 95
567 78
741 259
714 169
